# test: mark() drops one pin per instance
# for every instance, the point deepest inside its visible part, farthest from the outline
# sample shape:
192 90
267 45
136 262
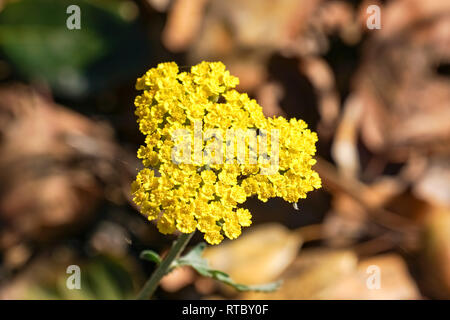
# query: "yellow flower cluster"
200 194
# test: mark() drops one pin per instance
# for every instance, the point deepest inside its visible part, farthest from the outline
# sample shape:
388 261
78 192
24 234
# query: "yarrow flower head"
204 192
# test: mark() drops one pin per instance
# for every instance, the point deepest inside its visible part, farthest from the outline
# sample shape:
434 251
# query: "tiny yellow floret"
202 194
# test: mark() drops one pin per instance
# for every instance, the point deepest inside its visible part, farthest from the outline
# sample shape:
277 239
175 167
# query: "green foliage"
195 260
103 277
150 255
36 41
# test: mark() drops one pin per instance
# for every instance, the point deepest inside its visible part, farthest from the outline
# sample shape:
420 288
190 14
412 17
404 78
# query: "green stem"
153 282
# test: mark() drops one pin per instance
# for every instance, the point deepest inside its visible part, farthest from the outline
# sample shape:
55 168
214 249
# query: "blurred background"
379 100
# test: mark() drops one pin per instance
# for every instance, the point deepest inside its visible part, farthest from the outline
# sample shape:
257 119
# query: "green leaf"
103 277
195 260
225 278
150 255
36 42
